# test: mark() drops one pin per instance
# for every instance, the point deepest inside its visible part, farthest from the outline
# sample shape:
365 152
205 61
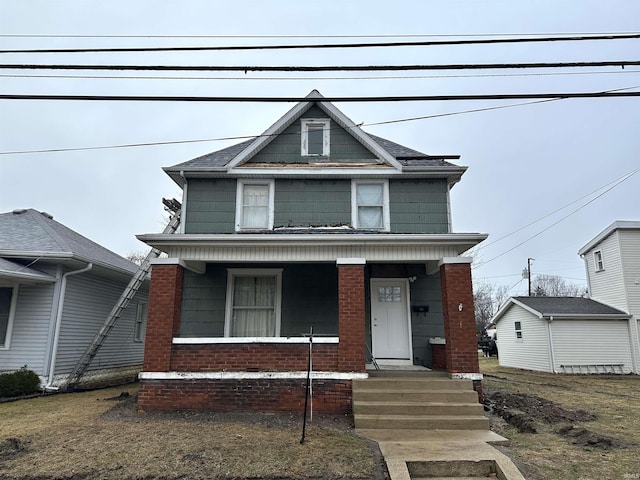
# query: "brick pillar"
163 315
351 315
459 316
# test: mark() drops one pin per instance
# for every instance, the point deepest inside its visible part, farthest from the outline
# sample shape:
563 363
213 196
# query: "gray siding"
592 342
285 148
425 291
211 206
415 206
532 351
303 203
88 301
309 298
30 329
419 206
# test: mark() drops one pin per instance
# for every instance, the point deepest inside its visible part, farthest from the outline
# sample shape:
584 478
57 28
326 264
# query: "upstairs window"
370 205
597 260
315 137
254 205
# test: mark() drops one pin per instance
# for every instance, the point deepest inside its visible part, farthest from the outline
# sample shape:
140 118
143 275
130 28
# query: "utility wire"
408 98
403 35
323 68
297 79
257 136
431 43
626 177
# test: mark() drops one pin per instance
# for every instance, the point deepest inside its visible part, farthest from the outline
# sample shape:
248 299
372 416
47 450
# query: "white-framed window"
254 298
315 137
518 329
8 301
140 326
254 204
598 262
370 204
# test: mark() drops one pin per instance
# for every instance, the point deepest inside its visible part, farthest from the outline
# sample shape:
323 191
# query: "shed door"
390 321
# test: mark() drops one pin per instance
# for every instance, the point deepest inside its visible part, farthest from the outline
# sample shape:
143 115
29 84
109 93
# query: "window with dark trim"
518 328
598 261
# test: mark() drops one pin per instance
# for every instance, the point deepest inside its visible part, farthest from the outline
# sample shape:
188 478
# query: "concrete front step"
412 383
422 422
417 408
415 396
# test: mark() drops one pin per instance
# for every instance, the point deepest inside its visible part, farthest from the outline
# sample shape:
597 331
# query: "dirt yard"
99 435
564 427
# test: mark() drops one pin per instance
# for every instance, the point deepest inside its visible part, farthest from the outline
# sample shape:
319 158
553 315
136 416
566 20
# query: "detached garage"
564 335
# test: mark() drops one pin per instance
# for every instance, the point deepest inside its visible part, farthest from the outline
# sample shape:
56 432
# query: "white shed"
564 335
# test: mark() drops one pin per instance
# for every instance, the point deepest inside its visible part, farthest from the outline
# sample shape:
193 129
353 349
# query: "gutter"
56 337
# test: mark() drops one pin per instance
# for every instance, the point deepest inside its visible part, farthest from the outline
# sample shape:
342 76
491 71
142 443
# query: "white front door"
390 320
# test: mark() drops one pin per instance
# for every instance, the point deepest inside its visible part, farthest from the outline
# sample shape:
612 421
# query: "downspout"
56 336
551 348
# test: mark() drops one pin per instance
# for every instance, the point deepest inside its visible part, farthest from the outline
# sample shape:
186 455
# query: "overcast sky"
532 163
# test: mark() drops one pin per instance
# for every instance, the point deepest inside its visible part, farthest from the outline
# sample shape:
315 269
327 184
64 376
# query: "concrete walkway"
450 453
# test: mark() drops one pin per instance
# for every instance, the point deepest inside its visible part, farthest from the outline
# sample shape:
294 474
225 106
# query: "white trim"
241 183
237 340
386 217
351 261
188 376
304 136
252 272
437 341
6 345
467 376
454 260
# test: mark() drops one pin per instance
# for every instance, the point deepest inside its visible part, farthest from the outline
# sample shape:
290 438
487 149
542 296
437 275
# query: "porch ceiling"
410 248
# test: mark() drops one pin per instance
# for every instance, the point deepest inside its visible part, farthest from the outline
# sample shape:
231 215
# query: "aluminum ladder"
173 206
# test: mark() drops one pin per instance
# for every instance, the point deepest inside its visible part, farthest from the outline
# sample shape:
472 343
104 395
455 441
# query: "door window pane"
389 294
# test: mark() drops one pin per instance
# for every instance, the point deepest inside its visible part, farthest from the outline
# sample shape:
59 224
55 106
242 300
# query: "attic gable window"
315 137
254 205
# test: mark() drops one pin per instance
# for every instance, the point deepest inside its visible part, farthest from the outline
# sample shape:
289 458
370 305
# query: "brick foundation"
253 357
263 395
439 356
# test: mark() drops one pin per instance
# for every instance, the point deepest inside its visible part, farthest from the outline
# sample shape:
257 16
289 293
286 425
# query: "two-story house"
313 224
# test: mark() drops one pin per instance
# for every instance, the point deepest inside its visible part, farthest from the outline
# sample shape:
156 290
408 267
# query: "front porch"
198 356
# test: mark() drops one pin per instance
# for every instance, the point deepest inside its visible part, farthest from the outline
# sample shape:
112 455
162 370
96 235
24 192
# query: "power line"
431 43
402 35
626 177
323 68
297 79
408 98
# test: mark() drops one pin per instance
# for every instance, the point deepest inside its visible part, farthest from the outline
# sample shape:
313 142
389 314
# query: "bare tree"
487 299
137 256
555 286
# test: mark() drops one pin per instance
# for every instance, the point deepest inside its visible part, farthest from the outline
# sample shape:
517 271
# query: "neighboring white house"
580 335
56 290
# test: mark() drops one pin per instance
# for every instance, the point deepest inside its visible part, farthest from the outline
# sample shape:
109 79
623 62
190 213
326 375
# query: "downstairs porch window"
253 303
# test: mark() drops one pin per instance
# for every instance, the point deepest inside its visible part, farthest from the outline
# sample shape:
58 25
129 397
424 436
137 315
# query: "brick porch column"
351 315
163 313
459 320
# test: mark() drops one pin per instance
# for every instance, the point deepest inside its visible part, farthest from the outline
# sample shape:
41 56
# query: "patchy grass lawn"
99 435
599 437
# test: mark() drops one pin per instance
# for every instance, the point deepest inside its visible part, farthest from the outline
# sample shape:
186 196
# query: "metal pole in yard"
307 388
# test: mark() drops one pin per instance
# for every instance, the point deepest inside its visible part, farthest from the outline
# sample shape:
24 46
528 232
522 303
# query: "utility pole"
526 273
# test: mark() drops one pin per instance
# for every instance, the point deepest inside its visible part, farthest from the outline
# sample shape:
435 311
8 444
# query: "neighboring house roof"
22 273
390 153
562 307
618 225
27 233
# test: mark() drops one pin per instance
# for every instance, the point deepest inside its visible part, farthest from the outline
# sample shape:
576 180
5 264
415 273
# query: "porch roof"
311 247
